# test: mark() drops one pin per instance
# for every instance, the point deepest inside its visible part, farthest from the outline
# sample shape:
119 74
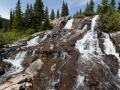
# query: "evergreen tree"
46 25
46 13
105 7
38 14
31 16
87 8
118 6
58 14
80 11
66 10
104 2
18 22
27 17
52 15
91 6
113 3
11 19
63 10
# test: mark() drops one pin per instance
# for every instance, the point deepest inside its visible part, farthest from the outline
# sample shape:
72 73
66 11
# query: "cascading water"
90 52
33 41
19 58
69 24
16 65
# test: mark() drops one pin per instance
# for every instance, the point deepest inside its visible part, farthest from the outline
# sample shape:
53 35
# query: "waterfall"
90 51
69 24
85 28
16 65
33 41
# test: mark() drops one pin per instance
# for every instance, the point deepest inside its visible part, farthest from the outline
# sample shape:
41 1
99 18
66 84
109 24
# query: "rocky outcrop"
54 62
21 81
60 22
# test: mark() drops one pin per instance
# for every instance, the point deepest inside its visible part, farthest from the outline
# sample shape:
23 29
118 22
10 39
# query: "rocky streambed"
64 59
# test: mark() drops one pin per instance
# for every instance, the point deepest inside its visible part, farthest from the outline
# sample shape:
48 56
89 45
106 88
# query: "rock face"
55 62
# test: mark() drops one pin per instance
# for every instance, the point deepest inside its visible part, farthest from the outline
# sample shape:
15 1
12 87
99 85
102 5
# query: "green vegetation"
65 11
23 24
109 17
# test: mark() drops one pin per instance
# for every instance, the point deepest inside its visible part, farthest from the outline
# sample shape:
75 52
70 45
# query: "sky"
73 5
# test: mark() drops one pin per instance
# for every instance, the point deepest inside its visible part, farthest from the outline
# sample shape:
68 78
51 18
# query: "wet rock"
2 71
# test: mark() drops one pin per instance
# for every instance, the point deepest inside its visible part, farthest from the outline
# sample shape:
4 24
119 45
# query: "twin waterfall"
91 52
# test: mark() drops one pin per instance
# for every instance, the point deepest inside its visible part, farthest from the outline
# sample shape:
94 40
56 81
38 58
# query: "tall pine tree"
63 10
11 19
46 25
31 17
66 9
118 6
18 20
27 17
112 3
38 14
52 15
58 14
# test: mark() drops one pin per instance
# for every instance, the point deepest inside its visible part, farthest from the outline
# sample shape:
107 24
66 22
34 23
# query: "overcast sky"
73 5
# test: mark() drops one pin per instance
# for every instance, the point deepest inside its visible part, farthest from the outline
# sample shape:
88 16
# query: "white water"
88 48
37 39
33 41
16 65
69 24
110 48
85 28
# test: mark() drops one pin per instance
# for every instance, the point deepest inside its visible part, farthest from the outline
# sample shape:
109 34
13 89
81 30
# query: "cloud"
77 3
4 12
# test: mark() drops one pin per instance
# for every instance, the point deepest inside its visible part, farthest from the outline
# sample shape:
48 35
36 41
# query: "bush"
30 31
79 16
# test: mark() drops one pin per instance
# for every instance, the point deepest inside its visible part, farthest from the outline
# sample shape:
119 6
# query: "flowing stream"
89 49
69 24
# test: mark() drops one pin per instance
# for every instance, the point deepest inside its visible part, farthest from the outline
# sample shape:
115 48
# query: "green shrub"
30 31
79 16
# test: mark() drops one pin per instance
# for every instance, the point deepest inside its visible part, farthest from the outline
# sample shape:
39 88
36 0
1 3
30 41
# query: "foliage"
9 37
64 11
89 11
38 14
52 15
18 20
58 14
79 16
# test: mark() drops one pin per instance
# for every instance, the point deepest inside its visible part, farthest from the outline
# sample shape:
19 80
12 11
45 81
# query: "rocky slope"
63 59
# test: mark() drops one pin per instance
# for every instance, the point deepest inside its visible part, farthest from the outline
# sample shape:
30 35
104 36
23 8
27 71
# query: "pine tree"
104 2
11 19
112 3
118 6
46 13
80 11
31 16
18 22
27 17
66 10
52 15
63 10
87 8
46 25
58 14
91 6
38 14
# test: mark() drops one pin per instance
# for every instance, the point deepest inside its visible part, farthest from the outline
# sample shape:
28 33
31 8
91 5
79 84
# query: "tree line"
109 14
35 18
22 24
